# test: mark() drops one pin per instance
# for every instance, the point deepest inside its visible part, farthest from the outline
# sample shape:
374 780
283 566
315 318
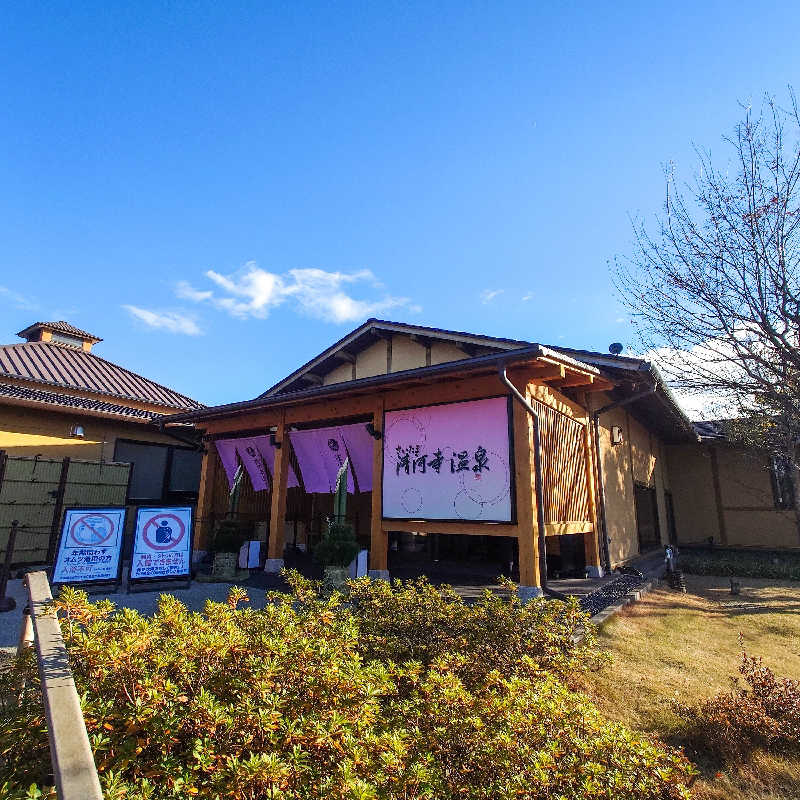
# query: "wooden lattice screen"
34 491
565 481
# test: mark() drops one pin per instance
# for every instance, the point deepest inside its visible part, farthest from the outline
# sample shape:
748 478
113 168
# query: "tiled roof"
71 401
52 365
61 327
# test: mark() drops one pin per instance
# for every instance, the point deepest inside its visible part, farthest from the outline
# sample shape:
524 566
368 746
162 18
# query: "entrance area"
457 559
647 527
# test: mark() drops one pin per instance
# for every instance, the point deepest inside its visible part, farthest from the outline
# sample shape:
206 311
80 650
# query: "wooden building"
59 399
576 484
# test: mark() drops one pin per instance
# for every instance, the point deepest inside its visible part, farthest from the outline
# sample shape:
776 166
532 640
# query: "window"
160 473
782 473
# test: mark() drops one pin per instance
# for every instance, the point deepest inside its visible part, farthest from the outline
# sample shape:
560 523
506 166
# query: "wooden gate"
35 490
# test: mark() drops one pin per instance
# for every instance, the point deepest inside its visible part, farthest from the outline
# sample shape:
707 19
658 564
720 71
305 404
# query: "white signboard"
89 548
448 462
162 543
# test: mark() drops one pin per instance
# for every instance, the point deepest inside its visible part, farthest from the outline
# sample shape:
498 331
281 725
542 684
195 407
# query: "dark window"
782 471
160 473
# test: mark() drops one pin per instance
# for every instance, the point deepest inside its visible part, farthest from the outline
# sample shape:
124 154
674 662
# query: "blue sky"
221 190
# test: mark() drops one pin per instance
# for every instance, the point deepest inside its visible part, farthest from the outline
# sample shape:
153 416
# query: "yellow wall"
746 504
28 432
407 354
344 372
639 459
444 351
371 361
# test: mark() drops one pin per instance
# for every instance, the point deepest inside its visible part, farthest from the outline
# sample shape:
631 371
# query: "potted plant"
338 546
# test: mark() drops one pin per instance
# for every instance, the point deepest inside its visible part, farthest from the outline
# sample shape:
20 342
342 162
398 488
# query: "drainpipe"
601 487
537 469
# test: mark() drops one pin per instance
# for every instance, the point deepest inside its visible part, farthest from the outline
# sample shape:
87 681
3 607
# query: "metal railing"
74 770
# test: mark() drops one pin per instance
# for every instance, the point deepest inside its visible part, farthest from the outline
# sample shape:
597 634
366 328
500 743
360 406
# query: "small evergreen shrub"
764 713
338 546
737 563
300 702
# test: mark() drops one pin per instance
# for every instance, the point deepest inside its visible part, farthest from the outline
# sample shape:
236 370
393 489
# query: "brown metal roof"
15 392
59 327
50 364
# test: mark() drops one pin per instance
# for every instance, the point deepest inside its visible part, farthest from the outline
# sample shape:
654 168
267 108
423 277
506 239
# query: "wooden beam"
564 528
204 519
313 378
432 526
278 507
345 355
378 538
526 500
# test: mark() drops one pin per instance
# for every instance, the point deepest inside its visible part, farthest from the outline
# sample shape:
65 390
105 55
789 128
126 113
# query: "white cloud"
170 321
255 292
487 295
528 296
18 300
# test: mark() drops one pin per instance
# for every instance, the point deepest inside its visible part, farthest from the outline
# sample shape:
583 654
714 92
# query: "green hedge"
741 563
384 692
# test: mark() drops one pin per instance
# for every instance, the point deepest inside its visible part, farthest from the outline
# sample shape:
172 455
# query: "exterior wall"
28 432
444 351
639 459
407 354
372 361
737 508
344 372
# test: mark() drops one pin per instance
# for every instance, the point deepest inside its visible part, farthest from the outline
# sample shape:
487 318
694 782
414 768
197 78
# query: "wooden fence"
564 466
35 491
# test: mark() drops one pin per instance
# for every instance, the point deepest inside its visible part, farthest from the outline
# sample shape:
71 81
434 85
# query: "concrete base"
273 565
595 572
379 574
527 593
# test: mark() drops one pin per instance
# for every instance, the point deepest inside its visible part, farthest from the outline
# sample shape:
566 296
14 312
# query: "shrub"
737 563
281 703
338 547
763 714
415 621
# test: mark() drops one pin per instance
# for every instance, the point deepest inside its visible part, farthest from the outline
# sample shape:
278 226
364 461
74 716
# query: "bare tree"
714 290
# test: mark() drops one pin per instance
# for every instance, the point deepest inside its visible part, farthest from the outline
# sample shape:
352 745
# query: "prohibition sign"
153 523
94 533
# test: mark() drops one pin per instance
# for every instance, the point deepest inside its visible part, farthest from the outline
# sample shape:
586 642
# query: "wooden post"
528 532
205 498
591 541
55 524
278 507
378 540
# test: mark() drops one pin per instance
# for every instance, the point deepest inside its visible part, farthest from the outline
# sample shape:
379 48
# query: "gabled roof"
660 411
554 366
51 365
31 396
374 329
58 327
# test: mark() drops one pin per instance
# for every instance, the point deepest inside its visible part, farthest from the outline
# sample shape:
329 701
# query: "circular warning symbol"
163 531
92 530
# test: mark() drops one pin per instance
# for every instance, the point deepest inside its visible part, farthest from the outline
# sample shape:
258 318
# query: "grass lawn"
686 647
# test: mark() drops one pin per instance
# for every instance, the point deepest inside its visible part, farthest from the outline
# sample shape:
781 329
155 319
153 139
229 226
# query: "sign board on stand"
89 546
162 545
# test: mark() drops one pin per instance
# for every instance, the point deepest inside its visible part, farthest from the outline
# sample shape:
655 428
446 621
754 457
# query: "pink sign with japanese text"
448 462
